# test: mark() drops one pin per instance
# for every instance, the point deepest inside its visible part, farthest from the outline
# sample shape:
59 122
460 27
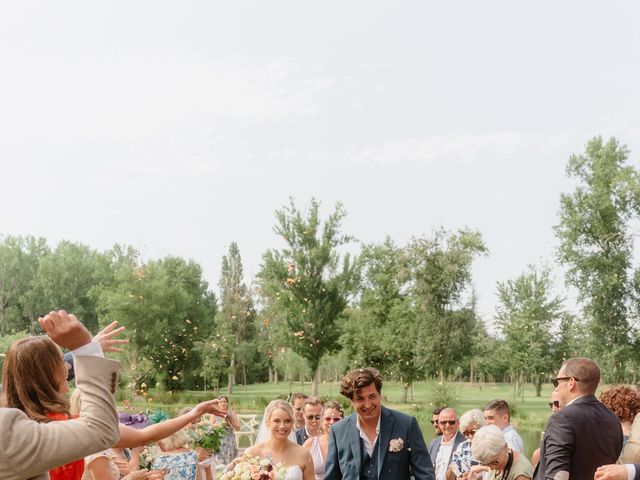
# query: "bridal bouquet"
207 436
255 468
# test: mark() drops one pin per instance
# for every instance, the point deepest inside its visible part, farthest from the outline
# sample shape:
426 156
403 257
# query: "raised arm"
28 448
131 438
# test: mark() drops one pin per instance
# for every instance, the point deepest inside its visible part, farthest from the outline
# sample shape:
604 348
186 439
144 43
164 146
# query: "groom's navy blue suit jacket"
344 452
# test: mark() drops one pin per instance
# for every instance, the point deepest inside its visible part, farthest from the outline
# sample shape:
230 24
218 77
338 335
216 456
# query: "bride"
273 442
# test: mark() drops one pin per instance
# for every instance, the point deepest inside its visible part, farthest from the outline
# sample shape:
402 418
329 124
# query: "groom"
375 443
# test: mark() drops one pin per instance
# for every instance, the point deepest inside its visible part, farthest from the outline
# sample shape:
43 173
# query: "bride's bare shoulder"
300 453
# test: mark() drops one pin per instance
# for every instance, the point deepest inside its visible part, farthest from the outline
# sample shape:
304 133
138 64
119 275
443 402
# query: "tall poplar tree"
596 245
236 314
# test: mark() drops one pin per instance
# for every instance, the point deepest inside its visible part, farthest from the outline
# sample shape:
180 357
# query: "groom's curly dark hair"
358 378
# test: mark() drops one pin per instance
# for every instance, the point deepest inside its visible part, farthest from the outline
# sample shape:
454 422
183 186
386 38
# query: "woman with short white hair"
490 450
470 422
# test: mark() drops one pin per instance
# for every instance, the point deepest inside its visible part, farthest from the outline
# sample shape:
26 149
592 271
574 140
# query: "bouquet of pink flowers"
255 468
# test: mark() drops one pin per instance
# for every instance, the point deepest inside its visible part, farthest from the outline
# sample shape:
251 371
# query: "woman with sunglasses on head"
461 461
318 445
494 456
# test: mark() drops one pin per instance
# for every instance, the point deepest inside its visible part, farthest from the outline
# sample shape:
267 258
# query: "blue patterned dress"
461 459
178 466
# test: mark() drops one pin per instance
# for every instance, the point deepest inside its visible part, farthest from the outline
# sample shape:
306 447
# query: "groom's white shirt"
368 444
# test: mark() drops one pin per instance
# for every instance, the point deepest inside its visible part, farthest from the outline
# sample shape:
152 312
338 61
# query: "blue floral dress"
461 459
178 466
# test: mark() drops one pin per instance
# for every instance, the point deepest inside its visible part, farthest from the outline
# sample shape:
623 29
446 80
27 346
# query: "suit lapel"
354 440
384 437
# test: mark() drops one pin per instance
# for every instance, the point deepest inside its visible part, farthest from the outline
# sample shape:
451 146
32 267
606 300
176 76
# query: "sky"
179 127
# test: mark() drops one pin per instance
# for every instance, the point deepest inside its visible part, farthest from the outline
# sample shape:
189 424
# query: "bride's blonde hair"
275 405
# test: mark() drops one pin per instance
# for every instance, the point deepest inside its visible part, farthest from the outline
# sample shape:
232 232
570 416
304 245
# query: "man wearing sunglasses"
584 434
297 403
312 412
441 448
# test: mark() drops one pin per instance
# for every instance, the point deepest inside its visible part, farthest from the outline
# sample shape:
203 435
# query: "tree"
65 279
439 273
167 307
19 259
309 280
381 332
235 318
596 246
526 314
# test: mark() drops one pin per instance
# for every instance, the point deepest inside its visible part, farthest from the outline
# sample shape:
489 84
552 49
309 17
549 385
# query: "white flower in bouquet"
255 468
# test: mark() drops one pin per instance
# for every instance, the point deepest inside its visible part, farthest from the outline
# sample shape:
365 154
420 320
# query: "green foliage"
5 342
596 246
309 280
443 394
438 270
166 307
19 262
526 315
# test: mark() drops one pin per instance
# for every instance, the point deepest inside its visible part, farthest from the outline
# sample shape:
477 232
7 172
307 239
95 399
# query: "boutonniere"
396 445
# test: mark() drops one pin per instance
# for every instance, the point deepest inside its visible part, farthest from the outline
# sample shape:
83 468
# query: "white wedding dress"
293 473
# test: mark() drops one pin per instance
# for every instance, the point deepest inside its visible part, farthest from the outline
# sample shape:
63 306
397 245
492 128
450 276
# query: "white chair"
248 426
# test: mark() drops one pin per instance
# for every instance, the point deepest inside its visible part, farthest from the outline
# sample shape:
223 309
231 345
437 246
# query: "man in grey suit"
375 443
441 448
584 434
29 449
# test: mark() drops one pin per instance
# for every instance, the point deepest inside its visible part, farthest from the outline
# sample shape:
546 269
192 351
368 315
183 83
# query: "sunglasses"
311 417
335 419
556 381
555 404
469 433
447 422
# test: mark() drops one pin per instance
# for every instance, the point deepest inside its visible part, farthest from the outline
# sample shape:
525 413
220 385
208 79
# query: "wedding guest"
312 414
434 419
297 403
441 448
497 412
490 449
461 460
554 405
229 420
177 461
331 413
28 447
625 403
109 464
584 434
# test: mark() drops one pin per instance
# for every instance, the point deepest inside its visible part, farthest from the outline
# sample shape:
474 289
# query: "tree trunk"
232 374
270 375
471 372
276 377
405 389
316 381
244 374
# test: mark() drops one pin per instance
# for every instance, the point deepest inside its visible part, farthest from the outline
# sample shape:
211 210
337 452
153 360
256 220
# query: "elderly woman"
470 422
491 451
